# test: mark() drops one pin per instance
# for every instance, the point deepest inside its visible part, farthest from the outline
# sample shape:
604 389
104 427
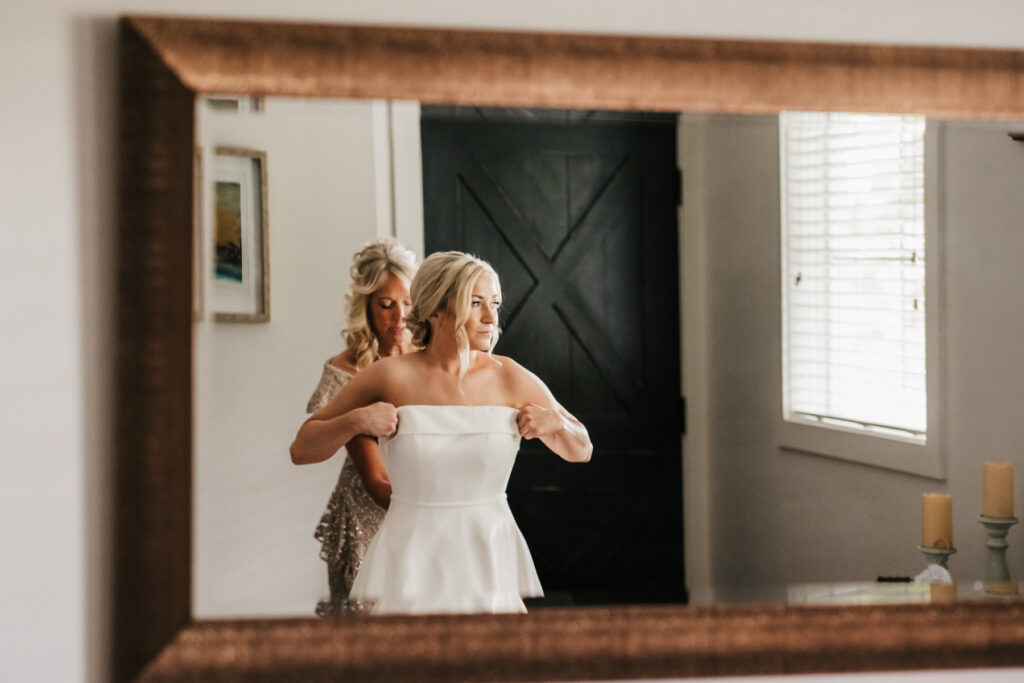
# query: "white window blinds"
853 237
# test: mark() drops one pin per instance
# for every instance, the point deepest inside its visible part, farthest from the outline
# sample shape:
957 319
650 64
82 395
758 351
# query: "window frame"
884 450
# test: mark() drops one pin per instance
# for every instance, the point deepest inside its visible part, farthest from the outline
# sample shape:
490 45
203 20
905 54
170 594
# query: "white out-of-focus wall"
254 511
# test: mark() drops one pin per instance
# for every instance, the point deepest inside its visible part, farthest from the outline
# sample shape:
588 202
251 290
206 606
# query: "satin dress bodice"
449 542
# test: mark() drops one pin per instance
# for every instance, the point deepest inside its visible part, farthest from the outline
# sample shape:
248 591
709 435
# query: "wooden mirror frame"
164 63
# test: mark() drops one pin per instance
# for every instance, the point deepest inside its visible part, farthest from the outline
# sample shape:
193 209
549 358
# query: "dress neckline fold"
454 419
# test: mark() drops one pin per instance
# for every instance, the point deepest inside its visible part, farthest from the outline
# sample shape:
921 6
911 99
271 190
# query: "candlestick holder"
996 528
939 556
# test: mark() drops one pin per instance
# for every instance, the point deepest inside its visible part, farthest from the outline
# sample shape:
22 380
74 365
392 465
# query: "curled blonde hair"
371 266
444 282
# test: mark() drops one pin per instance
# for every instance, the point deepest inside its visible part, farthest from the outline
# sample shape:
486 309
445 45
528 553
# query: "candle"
942 592
1008 587
938 521
998 490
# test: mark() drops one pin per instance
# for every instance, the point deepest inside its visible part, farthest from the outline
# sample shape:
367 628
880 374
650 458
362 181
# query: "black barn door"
577 212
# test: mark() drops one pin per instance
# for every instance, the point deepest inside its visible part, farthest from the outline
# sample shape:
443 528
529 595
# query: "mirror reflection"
622 296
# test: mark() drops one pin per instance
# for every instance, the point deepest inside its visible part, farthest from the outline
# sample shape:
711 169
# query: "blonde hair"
445 283
371 267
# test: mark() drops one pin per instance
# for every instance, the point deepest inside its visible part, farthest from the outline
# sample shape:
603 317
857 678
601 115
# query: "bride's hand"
535 421
379 419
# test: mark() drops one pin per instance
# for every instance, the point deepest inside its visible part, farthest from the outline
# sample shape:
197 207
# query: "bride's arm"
542 417
356 409
557 429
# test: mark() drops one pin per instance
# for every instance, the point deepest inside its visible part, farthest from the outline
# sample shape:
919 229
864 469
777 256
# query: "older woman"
377 303
448 542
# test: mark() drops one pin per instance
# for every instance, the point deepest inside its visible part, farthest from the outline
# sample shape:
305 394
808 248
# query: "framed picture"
198 253
241 259
235 105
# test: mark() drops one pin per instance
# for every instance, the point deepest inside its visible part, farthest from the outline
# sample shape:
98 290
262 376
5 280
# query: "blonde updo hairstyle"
371 267
444 282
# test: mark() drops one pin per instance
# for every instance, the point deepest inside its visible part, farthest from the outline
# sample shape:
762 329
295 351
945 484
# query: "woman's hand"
378 419
355 409
535 421
557 429
321 436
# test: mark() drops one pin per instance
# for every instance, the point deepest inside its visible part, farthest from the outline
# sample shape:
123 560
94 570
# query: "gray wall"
777 516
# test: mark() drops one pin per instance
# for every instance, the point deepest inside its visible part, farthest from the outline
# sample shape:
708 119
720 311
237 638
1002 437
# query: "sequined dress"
449 542
351 519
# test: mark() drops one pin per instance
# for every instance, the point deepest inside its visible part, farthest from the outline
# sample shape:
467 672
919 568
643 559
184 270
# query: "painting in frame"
240 271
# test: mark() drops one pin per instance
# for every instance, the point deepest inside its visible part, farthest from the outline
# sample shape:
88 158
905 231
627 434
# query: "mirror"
165 63
346 171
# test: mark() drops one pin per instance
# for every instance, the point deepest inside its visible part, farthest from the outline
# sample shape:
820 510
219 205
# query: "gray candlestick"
996 528
939 556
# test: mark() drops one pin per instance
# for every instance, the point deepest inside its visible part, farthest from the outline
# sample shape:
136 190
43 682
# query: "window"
855 332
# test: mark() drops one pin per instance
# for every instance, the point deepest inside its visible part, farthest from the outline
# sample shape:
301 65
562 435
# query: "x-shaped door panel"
551 287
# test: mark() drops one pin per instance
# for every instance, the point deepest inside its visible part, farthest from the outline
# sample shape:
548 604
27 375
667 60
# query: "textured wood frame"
165 63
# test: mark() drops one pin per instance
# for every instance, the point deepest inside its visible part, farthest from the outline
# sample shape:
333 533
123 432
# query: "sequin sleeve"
331 381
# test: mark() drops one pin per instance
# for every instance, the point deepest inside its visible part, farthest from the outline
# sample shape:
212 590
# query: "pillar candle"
942 592
938 521
998 490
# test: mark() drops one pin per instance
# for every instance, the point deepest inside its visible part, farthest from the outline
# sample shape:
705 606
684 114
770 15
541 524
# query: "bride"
448 542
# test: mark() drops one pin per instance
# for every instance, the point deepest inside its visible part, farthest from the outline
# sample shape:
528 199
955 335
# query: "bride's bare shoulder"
503 362
400 366
511 364
380 369
522 384
386 377
512 372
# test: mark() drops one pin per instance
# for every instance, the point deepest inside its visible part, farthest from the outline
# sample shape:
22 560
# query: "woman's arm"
366 457
557 429
541 417
317 440
356 409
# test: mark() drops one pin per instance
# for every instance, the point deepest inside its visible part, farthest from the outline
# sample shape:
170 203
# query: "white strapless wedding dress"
449 542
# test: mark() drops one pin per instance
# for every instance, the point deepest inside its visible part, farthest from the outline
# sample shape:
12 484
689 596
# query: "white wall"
254 512
340 173
832 520
57 136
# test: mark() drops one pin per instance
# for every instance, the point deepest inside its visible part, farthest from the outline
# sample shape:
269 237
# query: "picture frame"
240 266
165 63
228 104
198 252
